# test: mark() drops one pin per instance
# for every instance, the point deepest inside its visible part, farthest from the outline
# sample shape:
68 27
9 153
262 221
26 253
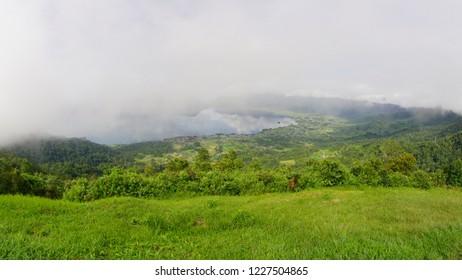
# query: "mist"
119 71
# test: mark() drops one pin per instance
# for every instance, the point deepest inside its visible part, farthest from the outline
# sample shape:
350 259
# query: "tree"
332 173
202 161
149 170
5 176
369 172
397 159
453 172
256 165
403 164
391 149
177 164
229 162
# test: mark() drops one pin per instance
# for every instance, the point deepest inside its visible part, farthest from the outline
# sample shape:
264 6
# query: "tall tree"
202 161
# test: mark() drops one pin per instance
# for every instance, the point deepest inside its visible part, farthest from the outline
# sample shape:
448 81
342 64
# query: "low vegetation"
372 223
393 167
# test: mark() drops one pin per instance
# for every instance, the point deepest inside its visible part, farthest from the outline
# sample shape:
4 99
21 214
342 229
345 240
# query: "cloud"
136 128
80 68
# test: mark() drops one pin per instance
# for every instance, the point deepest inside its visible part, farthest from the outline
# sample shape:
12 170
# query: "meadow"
329 223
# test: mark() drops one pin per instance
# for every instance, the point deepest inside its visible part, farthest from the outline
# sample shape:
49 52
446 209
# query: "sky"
120 71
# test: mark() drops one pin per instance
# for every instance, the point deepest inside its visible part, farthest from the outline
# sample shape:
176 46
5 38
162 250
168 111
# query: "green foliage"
391 149
422 180
332 173
256 165
155 148
404 163
177 164
453 172
19 176
229 162
149 170
78 191
439 179
273 181
219 183
67 158
397 179
202 161
369 172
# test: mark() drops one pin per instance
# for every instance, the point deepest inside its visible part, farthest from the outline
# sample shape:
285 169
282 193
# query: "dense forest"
333 143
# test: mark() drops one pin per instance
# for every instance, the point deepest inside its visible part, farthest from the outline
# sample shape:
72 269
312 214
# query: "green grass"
317 224
323 154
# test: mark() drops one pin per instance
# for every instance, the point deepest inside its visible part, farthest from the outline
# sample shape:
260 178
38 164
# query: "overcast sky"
80 67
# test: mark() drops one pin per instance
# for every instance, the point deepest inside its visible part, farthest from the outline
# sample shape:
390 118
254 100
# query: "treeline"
20 176
66 158
392 166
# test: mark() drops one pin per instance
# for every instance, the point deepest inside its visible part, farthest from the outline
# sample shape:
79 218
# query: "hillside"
333 142
371 181
363 224
68 157
321 124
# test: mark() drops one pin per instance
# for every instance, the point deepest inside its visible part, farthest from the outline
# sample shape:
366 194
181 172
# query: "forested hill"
59 150
69 157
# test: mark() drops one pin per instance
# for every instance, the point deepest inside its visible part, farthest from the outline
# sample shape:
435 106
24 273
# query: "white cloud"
74 68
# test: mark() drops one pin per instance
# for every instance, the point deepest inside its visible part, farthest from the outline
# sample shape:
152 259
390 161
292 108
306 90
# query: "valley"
345 180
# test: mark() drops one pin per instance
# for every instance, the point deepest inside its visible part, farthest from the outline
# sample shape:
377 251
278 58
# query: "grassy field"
316 224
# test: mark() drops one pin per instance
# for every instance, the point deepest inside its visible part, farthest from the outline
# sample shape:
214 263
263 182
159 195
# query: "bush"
229 162
438 178
397 179
404 164
218 183
332 173
177 164
422 180
156 186
77 190
453 172
309 180
50 187
368 173
273 181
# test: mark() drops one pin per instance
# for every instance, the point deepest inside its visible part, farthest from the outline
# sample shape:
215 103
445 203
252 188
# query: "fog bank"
98 68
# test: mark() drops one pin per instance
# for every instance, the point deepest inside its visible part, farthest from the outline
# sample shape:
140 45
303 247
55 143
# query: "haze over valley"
126 71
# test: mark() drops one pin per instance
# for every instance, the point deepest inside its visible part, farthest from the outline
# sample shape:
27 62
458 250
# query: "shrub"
332 173
218 183
229 162
453 172
368 173
309 180
422 180
404 164
397 179
177 164
273 181
77 190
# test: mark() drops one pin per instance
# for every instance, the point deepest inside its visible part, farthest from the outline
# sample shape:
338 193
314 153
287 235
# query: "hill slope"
322 124
317 224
